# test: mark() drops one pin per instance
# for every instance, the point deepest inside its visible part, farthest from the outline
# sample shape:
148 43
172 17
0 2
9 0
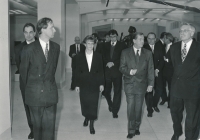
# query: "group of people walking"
97 68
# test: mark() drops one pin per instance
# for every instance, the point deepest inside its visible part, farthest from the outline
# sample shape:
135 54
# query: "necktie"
137 57
46 52
183 53
77 50
112 49
152 48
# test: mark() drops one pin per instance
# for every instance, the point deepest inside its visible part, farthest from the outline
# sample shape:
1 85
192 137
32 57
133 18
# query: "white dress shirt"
152 47
135 50
188 45
168 47
43 44
89 59
162 41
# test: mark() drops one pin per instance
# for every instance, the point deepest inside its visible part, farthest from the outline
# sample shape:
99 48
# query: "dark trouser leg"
43 122
192 118
134 111
117 83
139 99
176 109
149 101
73 79
164 93
158 90
169 79
27 110
107 92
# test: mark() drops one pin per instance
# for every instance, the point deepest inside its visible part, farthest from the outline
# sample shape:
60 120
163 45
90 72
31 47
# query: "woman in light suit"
89 81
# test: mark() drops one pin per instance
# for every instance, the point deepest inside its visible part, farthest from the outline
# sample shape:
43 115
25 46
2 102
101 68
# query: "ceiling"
120 9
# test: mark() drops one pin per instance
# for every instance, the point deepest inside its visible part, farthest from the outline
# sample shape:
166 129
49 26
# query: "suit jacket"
89 80
114 70
18 50
99 48
168 67
186 77
72 51
158 58
144 77
38 76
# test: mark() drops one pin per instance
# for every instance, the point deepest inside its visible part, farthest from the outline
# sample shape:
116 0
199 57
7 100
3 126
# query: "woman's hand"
101 88
77 89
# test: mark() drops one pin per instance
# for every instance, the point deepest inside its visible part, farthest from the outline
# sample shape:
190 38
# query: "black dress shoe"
156 109
174 137
92 131
162 103
115 115
31 136
137 132
110 108
149 115
129 136
85 123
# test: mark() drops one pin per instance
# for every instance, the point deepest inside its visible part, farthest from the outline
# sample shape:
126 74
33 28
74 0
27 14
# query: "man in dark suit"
167 70
38 67
73 51
29 34
137 67
157 50
185 85
112 53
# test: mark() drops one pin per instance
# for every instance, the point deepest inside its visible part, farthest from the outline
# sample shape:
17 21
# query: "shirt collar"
189 43
169 44
43 43
114 43
28 42
162 41
89 54
135 50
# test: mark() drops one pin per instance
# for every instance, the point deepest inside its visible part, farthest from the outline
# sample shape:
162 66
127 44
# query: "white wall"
5 110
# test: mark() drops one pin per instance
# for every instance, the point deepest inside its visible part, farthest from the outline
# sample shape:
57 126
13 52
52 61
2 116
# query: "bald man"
74 50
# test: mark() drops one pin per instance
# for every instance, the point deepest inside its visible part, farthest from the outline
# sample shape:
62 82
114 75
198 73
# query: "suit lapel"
85 62
142 58
93 62
39 51
50 55
133 58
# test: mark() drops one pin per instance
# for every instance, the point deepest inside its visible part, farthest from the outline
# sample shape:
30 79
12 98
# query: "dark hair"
162 35
170 37
95 35
106 34
132 29
136 34
29 25
89 37
43 24
151 33
112 32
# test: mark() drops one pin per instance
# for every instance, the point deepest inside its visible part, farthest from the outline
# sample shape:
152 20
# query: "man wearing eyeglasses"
157 51
29 35
185 85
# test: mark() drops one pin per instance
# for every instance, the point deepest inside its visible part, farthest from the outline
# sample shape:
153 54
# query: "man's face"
139 42
166 41
89 45
29 34
151 39
107 38
113 38
77 40
186 33
49 31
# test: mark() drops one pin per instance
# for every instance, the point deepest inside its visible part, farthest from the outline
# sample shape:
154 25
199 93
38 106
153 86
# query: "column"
5 110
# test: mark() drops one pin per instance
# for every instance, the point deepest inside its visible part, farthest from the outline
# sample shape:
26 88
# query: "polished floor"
69 121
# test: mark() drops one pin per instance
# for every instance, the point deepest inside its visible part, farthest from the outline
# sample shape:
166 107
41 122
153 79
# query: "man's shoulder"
127 50
146 51
22 44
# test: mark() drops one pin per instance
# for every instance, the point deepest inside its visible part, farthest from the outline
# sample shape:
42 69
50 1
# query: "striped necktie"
183 53
46 52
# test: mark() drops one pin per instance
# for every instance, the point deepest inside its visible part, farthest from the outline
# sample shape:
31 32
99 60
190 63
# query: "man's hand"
110 64
149 88
133 71
156 72
101 88
77 89
73 54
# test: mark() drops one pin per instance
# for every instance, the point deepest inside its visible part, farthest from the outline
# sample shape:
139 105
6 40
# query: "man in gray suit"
136 65
37 69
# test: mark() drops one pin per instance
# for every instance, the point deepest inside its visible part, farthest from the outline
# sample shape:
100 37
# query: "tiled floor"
69 120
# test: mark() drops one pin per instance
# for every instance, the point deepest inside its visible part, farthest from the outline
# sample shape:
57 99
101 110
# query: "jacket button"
41 90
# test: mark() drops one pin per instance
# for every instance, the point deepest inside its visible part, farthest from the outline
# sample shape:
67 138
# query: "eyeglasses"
184 31
151 38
